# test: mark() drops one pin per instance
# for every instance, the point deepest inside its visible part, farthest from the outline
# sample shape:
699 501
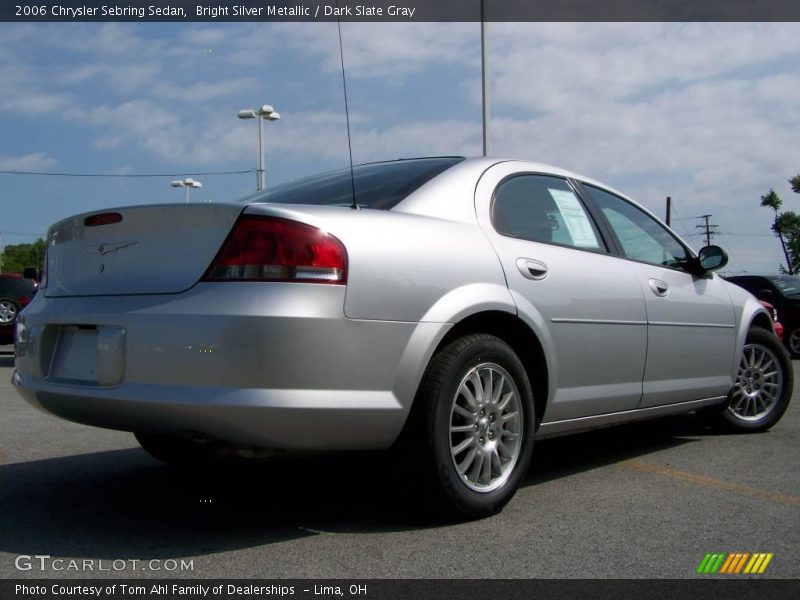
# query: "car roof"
434 197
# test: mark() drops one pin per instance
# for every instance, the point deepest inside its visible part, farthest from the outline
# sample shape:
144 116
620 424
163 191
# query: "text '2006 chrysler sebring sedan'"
450 308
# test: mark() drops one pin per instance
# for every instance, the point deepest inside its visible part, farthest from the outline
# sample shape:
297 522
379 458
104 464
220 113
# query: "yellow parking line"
737 488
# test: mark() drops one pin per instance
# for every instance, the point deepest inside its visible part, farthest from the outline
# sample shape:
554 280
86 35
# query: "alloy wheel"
759 384
486 424
8 312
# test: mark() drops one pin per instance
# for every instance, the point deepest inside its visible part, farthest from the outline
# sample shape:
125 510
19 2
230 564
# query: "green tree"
17 257
781 226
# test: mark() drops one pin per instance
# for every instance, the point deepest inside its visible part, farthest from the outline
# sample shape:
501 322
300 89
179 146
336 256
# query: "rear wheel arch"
522 340
763 321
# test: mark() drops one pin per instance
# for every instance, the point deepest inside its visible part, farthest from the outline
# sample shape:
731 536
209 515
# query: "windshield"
788 285
377 185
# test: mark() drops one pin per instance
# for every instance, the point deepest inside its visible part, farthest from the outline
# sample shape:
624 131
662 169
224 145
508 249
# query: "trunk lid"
154 249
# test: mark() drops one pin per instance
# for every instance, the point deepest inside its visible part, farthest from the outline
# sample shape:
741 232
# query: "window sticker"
574 218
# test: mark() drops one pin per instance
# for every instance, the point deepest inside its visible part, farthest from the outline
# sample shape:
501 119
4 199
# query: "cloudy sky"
706 113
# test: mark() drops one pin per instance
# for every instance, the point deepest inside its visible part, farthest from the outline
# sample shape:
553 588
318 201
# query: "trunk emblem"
104 248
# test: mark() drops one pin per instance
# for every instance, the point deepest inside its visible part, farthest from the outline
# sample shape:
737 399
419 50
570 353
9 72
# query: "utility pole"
709 229
669 210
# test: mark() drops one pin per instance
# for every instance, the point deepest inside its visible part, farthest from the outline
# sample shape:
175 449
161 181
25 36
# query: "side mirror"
711 258
30 273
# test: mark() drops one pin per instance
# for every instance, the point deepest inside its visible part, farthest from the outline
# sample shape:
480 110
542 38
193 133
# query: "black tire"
182 452
8 311
758 399
499 429
791 339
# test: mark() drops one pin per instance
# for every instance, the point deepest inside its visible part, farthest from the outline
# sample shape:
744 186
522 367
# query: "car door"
585 305
691 321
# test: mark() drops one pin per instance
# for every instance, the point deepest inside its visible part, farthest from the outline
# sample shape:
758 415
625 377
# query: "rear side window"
377 185
16 287
543 209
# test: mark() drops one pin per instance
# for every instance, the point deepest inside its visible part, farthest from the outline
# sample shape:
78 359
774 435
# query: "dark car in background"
16 292
783 292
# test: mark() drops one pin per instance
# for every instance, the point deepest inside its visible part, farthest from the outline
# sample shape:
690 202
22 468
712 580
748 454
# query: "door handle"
659 287
532 269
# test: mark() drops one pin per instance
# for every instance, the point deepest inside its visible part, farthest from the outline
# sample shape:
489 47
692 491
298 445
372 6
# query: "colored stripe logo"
736 563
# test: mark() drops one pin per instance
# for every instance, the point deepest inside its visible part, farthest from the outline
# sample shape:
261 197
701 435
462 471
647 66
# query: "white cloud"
36 161
552 66
194 92
388 50
705 112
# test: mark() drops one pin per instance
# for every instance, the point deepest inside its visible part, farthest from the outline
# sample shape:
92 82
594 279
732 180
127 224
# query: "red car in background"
775 318
16 292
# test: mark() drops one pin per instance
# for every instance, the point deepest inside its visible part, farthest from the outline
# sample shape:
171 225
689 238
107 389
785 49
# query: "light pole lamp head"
246 114
273 116
176 183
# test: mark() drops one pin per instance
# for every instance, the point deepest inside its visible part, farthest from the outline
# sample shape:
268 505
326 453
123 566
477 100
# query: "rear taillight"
270 249
102 219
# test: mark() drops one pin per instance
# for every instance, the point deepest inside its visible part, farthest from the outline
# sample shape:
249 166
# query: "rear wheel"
474 424
8 311
763 384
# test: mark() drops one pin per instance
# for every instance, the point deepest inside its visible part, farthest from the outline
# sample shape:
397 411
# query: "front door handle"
659 288
532 269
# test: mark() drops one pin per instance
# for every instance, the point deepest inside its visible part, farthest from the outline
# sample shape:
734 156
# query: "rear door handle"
659 287
532 269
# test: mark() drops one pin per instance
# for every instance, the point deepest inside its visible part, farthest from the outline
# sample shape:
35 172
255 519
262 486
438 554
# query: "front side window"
642 237
543 209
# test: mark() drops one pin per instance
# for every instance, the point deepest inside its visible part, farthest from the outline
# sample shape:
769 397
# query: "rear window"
377 185
16 287
788 285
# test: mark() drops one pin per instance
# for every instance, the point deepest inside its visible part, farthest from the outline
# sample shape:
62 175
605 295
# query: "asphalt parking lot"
639 501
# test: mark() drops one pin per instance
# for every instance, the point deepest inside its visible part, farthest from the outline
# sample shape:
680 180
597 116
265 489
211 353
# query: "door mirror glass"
712 258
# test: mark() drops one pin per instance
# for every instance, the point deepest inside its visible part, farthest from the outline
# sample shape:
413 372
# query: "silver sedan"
450 309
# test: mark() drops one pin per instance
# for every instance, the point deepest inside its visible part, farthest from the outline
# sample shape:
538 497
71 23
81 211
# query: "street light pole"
261 154
186 184
485 80
264 113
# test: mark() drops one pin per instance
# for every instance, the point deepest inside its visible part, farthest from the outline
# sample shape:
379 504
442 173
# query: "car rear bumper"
255 365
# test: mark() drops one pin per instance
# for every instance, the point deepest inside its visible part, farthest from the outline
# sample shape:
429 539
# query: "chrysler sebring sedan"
450 309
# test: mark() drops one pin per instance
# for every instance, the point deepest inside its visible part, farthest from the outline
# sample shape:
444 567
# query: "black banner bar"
400 10
391 589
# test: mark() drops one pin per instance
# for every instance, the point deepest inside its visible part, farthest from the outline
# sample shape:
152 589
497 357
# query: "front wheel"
476 419
763 384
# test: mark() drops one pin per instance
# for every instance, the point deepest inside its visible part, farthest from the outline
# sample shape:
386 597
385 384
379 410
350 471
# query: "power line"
738 233
50 174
